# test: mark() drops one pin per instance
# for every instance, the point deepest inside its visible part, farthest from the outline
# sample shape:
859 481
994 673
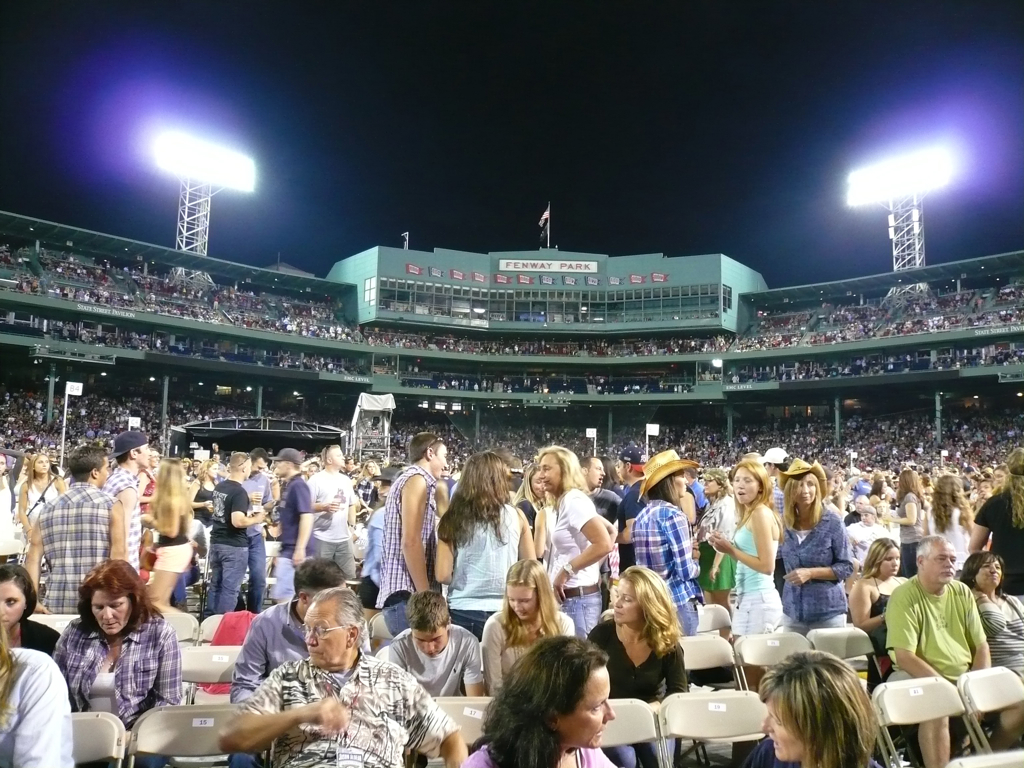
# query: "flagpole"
549 224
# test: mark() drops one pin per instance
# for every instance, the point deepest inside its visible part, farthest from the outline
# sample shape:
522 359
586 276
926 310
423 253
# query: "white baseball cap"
775 456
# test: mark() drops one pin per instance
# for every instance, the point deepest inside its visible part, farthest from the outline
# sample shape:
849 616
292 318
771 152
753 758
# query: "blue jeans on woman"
585 612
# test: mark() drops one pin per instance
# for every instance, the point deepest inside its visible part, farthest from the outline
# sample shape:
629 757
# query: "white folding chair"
97 737
1014 759
468 713
185 625
719 716
384 653
207 664
910 703
378 629
57 621
985 691
846 643
634 722
767 650
709 651
186 731
712 617
11 547
209 628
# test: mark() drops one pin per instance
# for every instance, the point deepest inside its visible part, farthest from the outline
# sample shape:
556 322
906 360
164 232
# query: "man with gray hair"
373 711
934 629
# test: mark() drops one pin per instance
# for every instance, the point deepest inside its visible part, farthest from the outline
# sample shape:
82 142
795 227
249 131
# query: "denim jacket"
826 546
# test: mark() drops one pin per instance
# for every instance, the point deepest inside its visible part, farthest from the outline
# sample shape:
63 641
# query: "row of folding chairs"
186 626
908 703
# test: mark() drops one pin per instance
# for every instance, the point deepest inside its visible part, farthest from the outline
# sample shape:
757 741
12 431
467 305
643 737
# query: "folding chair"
717 717
767 650
634 722
384 653
378 629
985 691
207 664
187 731
709 651
1014 759
468 713
209 628
909 703
186 627
712 617
11 547
845 643
97 737
57 621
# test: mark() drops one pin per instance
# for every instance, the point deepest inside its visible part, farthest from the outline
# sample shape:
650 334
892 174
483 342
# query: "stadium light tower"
900 185
204 170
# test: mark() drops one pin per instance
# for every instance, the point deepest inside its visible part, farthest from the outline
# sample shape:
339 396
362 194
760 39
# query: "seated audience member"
341 706
81 529
35 721
935 630
645 660
870 596
17 603
1002 615
528 613
440 655
479 538
119 655
276 635
818 715
865 533
552 710
815 553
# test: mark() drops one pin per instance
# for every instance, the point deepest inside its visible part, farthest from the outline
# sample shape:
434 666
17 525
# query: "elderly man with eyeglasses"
342 707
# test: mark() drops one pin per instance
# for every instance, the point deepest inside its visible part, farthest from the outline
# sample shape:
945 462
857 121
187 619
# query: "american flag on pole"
545 226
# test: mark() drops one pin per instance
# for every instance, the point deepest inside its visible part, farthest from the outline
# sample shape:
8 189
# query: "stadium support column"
610 430
49 396
838 408
728 422
938 418
163 413
259 401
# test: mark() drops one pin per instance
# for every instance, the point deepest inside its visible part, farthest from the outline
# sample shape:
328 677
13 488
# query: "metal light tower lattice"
901 185
204 170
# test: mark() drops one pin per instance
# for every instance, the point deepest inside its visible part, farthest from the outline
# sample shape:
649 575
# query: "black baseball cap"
128 441
289 454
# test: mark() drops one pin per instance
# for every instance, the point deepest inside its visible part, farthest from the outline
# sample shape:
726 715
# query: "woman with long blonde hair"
579 538
170 515
528 613
42 485
951 516
201 490
532 498
1002 519
35 711
645 660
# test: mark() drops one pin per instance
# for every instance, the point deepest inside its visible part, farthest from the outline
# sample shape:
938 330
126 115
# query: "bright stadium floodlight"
900 185
204 169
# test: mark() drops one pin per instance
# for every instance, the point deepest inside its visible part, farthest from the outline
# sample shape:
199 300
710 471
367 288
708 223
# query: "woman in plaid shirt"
119 656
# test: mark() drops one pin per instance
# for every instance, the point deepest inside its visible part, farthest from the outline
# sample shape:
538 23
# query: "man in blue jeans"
259 486
229 546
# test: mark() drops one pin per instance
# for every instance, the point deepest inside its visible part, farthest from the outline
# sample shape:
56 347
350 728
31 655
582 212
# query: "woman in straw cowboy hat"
661 533
815 553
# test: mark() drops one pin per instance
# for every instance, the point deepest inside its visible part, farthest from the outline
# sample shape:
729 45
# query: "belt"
581 591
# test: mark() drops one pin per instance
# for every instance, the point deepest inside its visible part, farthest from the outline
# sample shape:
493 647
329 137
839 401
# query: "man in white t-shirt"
334 511
440 655
863 534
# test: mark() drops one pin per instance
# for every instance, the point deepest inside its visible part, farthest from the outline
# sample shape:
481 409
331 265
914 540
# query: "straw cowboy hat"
799 468
660 466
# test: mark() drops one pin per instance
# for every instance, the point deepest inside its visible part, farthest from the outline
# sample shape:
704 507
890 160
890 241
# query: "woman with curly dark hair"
479 538
551 710
119 655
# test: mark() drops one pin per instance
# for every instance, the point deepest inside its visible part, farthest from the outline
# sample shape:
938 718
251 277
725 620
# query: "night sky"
675 127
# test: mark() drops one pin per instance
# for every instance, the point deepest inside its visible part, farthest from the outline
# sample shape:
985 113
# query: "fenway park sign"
544 265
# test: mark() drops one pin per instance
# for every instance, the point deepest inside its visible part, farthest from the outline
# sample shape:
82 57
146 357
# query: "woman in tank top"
201 490
170 515
951 517
909 515
39 489
869 598
479 538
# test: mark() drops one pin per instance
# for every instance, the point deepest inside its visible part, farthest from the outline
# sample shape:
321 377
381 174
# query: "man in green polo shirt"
934 629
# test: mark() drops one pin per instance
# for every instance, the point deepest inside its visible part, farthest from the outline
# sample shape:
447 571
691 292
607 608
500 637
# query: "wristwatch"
569 569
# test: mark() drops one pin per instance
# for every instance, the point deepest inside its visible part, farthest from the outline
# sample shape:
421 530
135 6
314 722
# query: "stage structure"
244 434
371 427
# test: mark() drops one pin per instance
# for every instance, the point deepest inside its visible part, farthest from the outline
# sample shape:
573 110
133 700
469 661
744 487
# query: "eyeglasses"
318 632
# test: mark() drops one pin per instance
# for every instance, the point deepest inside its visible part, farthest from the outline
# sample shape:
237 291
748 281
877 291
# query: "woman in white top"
951 516
35 720
528 613
717 570
40 488
478 539
579 539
